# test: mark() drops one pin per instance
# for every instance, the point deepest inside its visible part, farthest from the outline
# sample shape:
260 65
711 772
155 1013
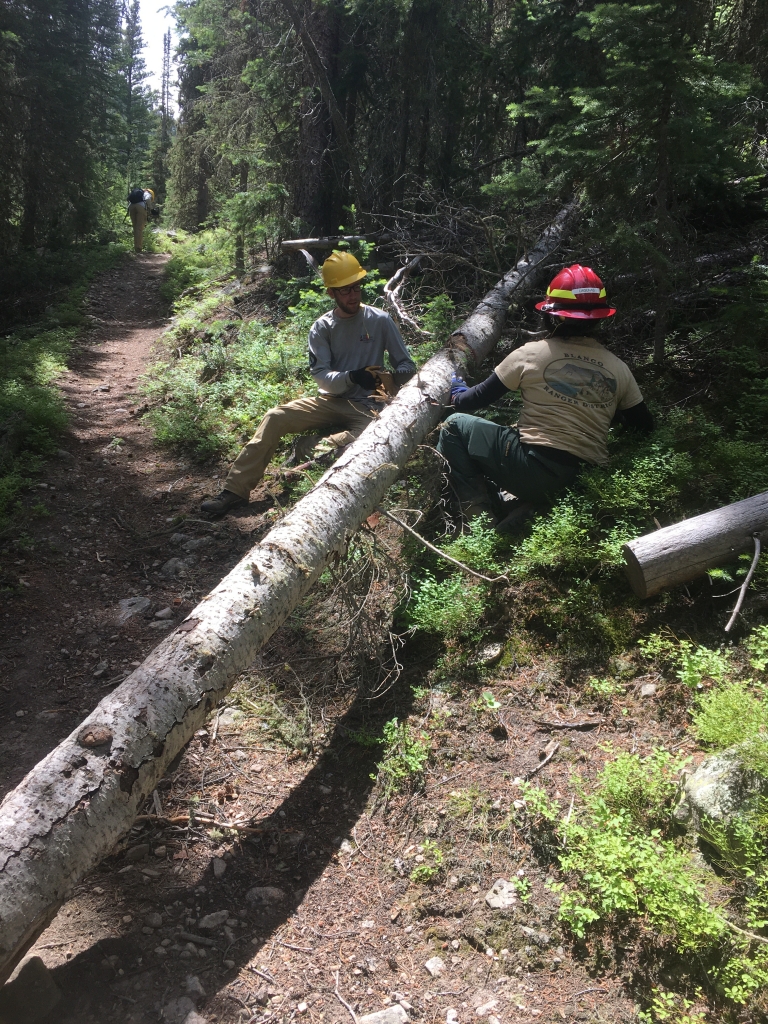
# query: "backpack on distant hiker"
136 196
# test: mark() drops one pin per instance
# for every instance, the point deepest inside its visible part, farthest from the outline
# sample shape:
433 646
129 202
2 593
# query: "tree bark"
337 117
680 553
70 810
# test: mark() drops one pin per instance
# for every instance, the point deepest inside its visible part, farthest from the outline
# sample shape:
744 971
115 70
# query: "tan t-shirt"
571 389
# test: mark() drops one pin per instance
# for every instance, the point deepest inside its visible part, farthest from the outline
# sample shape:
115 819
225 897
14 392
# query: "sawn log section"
71 809
679 553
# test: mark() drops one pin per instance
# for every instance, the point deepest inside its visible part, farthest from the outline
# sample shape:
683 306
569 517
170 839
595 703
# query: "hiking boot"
222 503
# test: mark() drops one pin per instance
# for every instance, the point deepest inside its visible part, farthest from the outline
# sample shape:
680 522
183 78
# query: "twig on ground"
437 551
342 1000
742 931
262 974
745 584
541 764
299 949
586 723
585 991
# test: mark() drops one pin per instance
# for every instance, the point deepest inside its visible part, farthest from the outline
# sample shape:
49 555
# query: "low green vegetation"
405 756
32 356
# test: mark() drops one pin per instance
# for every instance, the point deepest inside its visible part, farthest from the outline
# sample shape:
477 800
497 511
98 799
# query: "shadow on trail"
289 855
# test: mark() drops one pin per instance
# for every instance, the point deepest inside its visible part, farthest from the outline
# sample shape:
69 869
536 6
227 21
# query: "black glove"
363 379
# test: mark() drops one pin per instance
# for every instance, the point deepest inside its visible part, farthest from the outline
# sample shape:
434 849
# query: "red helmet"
576 292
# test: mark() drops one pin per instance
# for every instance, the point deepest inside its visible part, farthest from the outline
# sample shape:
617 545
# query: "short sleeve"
630 393
510 370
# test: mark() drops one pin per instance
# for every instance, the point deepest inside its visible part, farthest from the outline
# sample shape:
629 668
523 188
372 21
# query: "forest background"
459 129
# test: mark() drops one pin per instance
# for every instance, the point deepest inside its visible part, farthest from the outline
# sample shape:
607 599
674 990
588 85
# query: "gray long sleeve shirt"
340 344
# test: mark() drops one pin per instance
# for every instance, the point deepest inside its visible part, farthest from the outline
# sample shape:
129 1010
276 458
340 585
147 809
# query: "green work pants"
326 412
477 451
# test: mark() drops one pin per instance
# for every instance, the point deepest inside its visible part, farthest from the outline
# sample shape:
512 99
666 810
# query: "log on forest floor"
677 554
71 809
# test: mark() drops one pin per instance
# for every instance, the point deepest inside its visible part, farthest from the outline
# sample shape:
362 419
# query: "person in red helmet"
573 390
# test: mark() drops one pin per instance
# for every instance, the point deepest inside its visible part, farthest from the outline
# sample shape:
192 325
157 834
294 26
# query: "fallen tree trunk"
677 554
70 810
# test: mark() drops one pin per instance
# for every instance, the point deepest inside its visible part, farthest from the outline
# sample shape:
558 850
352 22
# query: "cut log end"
634 573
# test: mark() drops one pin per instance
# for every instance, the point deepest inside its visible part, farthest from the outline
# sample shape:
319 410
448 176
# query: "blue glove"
458 387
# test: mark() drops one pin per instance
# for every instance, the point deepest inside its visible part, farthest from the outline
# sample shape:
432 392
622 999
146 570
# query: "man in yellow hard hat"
346 353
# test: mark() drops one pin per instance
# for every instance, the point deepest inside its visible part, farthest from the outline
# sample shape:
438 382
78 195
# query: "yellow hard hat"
341 269
152 194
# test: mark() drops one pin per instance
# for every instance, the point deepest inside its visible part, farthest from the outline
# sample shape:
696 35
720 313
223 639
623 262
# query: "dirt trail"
309 884
112 500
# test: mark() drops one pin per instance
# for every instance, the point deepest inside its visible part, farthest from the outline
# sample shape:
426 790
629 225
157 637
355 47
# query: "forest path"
114 501
315 892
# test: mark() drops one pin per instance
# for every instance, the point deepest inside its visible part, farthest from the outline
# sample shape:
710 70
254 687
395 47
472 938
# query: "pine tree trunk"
70 810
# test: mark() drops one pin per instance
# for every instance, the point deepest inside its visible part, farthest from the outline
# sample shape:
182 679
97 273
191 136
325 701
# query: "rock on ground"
719 789
30 995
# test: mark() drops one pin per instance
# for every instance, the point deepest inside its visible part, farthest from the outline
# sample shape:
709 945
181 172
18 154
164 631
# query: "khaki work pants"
138 214
325 412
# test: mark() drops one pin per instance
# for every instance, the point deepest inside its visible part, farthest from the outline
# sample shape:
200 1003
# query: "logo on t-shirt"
581 383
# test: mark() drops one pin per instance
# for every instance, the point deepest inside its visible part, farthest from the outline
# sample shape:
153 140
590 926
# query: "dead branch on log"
331 241
394 287
745 584
68 813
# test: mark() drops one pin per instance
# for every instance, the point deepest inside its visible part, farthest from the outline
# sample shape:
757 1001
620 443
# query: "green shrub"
450 607
405 757
644 787
730 714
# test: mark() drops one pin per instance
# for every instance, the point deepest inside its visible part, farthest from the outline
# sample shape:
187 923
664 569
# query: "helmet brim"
349 280
598 313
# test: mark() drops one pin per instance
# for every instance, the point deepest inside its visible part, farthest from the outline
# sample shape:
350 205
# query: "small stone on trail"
486 1008
198 542
435 966
487 655
265 894
164 613
131 606
347 847
137 852
194 988
178 1010
180 538
648 689
538 938
30 996
195 1018
178 566
392 1015
154 920
502 895
451 1016
219 867
100 669
213 921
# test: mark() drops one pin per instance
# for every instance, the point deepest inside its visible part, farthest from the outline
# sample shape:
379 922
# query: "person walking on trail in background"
573 389
140 203
346 355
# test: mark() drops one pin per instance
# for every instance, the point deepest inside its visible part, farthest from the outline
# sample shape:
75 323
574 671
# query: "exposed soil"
307 868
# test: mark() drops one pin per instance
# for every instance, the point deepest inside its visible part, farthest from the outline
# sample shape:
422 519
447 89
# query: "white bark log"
330 241
70 810
677 554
